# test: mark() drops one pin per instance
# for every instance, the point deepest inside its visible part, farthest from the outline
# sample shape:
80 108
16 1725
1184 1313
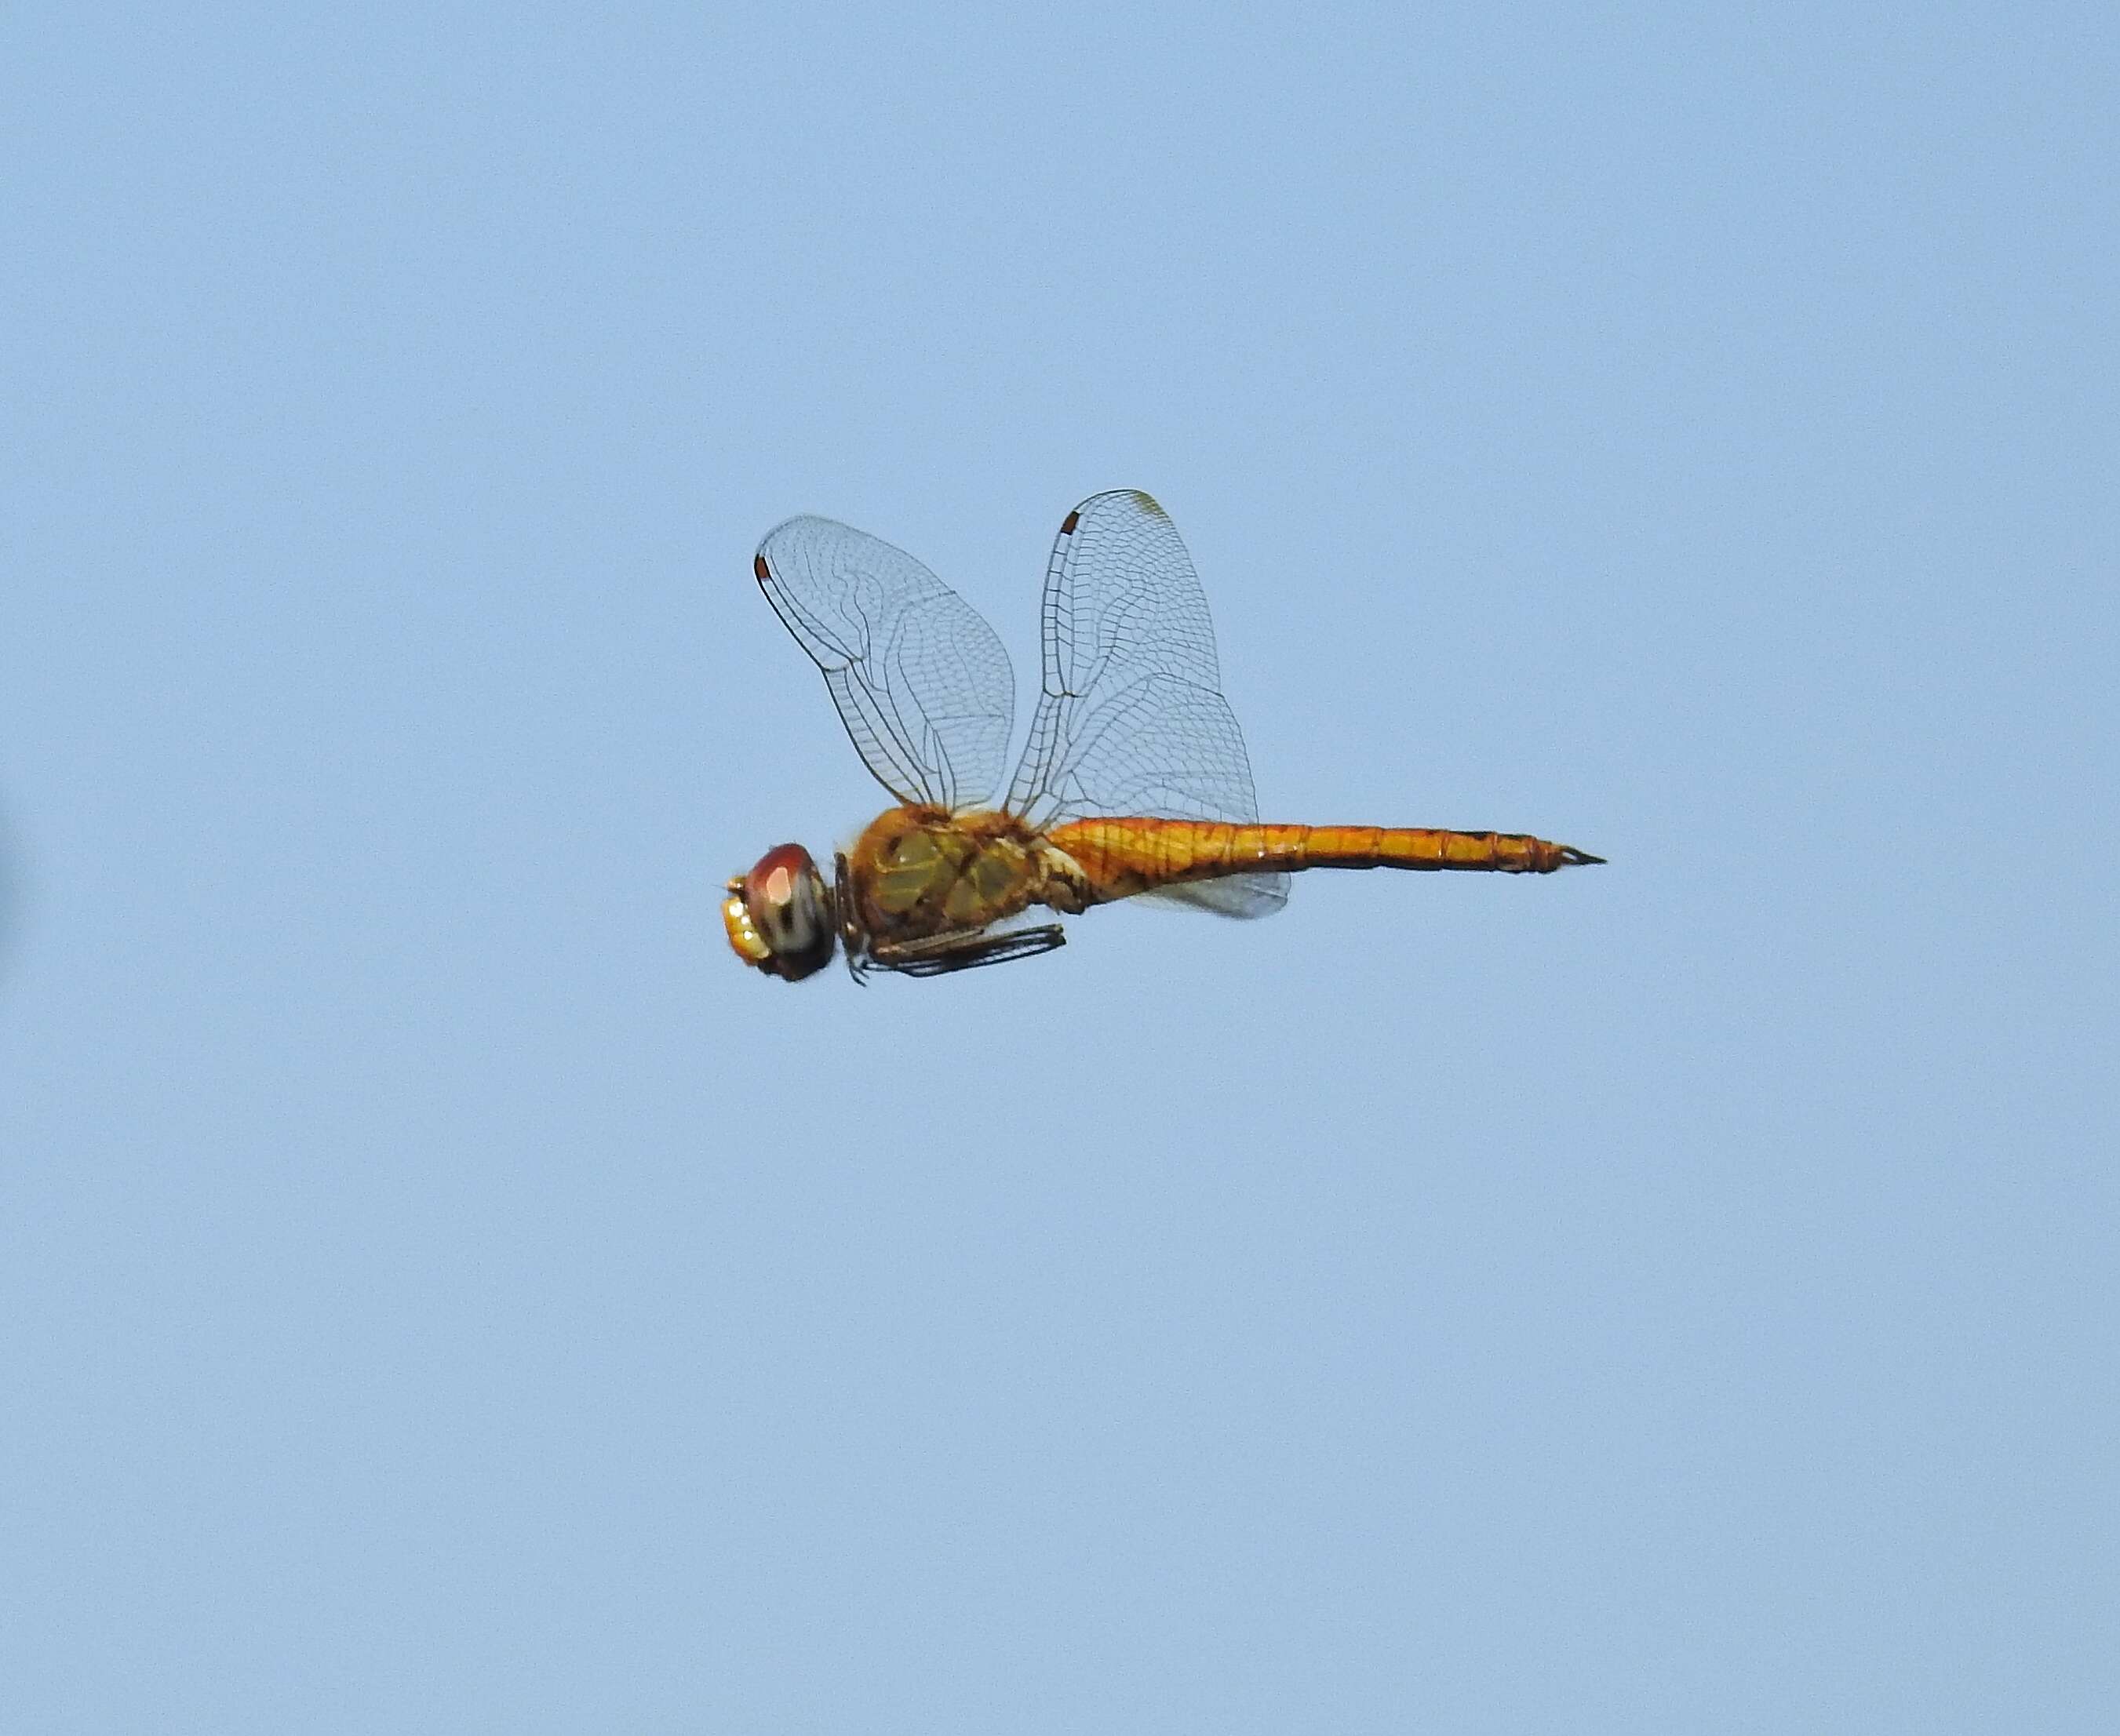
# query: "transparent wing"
922 682
1131 719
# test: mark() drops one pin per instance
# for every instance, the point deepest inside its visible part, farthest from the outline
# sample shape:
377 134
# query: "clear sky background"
443 1292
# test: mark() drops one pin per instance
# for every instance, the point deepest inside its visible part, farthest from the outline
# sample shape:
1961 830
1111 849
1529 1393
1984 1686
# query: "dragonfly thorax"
919 871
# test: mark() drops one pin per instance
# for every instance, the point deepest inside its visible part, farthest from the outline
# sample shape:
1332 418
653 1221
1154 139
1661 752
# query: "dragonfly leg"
853 943
937 955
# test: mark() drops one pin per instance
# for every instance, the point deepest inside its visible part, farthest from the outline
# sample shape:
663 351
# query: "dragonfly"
1134 782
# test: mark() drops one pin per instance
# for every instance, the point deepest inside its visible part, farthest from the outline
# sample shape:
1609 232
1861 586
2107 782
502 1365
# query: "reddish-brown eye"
773 880
790 911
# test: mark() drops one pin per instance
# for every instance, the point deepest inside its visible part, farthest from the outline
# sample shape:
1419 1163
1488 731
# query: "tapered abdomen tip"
1571 857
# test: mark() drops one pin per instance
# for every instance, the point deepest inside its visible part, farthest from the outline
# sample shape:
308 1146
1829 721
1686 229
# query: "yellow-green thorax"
922 870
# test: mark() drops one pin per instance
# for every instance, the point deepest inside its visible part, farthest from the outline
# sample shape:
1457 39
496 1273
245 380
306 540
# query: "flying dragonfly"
1134 784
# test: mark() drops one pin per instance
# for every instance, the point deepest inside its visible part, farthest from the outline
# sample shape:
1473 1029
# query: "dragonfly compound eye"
779 915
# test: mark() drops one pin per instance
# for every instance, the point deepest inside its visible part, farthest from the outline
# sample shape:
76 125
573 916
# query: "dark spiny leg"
853 942
938 954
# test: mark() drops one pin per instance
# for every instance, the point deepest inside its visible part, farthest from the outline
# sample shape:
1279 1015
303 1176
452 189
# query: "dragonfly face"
779 915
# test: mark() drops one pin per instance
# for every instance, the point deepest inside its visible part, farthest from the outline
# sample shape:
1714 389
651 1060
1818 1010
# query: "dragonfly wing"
1131 718
920 680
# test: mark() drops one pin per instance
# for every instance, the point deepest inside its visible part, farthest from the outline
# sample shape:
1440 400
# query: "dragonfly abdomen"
1123 856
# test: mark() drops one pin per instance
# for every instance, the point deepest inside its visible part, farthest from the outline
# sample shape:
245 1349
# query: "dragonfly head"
779 915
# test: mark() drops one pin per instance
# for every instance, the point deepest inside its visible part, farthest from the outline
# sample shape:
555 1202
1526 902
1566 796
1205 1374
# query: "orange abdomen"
1125 855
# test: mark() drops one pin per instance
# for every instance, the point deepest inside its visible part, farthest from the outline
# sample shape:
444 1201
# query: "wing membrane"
920 680
1131 719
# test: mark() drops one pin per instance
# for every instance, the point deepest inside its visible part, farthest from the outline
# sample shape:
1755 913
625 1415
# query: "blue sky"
445 1292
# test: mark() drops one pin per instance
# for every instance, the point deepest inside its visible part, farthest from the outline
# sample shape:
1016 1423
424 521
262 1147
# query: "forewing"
922 682
1131 719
